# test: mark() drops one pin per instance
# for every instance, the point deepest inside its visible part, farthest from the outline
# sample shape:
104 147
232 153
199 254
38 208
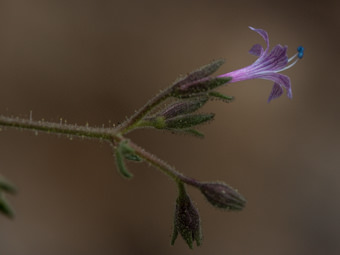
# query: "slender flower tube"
268 66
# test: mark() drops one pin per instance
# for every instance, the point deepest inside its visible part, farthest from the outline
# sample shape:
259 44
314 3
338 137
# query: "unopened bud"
199 86
200 73
184 107
222 196
186 221
187 121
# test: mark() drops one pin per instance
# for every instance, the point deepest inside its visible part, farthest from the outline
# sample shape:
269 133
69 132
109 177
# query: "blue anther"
300 49
300 54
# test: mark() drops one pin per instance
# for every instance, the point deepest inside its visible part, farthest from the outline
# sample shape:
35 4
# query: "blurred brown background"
98 61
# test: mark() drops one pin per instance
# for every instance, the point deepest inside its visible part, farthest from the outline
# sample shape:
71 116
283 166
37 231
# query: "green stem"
109 134
162 165
133 121
57 128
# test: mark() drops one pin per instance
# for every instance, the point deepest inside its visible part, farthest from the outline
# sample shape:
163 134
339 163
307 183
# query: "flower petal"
277 58
264 34
276 92
280 79
256 50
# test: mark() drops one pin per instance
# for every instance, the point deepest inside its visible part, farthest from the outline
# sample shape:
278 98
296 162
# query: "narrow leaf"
5 185
5 208
192 132
128 152
121 164
219 96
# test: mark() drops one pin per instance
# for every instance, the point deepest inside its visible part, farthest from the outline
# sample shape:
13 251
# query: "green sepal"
5 185
121 167
128 152
174 235
200 73
5 208
219 96
192 132
156 122
195 88
189 120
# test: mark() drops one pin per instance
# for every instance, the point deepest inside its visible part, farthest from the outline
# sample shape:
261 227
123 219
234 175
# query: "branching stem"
133 121
108 134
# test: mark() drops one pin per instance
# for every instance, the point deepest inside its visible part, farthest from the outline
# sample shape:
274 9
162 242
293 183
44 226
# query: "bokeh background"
99 61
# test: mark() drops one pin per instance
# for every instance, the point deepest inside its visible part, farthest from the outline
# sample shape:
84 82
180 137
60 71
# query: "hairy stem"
133 121
57 128
162 165
109 134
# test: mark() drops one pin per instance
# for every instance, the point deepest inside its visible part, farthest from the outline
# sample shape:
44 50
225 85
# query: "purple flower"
268 66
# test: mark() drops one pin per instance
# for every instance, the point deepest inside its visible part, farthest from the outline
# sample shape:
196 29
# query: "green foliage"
6 187
219 96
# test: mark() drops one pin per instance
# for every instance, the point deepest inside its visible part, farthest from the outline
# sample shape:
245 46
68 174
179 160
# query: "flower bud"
184 107
200 73
187 121
222 196
197 87
186 221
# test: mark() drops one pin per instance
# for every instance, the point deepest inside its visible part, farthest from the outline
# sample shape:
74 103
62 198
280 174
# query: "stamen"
292 57
300 50
287 67
299 55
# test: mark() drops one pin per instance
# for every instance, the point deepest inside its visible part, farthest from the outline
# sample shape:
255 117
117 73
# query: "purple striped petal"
277 58
280 79
264 36
276 92
256 50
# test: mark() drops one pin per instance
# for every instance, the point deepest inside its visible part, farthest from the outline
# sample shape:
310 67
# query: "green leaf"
5 208
7 186
219 96
192 132
128 152
121 164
